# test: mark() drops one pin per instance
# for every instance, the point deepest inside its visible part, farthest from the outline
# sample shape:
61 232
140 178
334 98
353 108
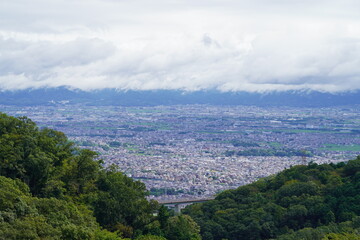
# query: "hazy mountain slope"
173 97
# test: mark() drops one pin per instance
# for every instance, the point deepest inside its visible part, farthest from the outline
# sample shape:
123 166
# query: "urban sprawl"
196 151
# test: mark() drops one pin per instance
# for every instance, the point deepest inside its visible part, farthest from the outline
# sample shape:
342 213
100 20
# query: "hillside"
304 202
50 189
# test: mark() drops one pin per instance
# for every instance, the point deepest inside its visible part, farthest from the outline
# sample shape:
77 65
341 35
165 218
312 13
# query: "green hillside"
303 202
50 189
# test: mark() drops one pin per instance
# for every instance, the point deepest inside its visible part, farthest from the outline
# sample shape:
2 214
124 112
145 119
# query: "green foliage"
346 230
352 167
266 152
106 235
150 237
182 228
341 236
120 200
25 217
114 144
80 172
50 189
303 202
166 191
171 227
237 143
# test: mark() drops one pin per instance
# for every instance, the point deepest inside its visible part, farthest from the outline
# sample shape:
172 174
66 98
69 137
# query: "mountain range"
64 95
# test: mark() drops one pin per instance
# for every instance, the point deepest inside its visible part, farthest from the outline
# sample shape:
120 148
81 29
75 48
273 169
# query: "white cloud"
229 45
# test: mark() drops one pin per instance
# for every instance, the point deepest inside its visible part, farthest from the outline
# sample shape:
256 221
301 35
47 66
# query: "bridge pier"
177 209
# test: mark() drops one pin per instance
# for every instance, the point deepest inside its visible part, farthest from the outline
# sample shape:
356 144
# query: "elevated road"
176 204
185 201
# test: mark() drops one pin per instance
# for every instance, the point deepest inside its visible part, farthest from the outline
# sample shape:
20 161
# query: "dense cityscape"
194 151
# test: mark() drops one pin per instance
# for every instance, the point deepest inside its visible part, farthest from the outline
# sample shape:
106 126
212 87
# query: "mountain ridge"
64 95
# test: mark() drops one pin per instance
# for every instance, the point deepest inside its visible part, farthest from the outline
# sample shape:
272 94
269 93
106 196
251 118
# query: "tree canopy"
303 202
51 189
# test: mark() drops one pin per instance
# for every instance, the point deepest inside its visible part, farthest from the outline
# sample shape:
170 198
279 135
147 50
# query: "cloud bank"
229 45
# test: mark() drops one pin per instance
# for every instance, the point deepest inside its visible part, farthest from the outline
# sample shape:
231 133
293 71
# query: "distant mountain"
63 95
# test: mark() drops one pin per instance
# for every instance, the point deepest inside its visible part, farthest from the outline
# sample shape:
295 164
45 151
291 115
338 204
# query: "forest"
52 189
313 202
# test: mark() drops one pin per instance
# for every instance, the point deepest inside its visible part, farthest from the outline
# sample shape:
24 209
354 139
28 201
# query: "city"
194 151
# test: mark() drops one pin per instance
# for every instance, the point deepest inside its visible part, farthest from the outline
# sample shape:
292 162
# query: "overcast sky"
230 45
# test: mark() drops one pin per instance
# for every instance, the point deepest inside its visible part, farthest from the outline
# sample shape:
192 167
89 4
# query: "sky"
228 45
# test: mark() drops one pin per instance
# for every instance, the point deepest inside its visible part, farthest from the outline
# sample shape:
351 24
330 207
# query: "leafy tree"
302 202
120 200
25 217
50 189
182 227
80 172
150 237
